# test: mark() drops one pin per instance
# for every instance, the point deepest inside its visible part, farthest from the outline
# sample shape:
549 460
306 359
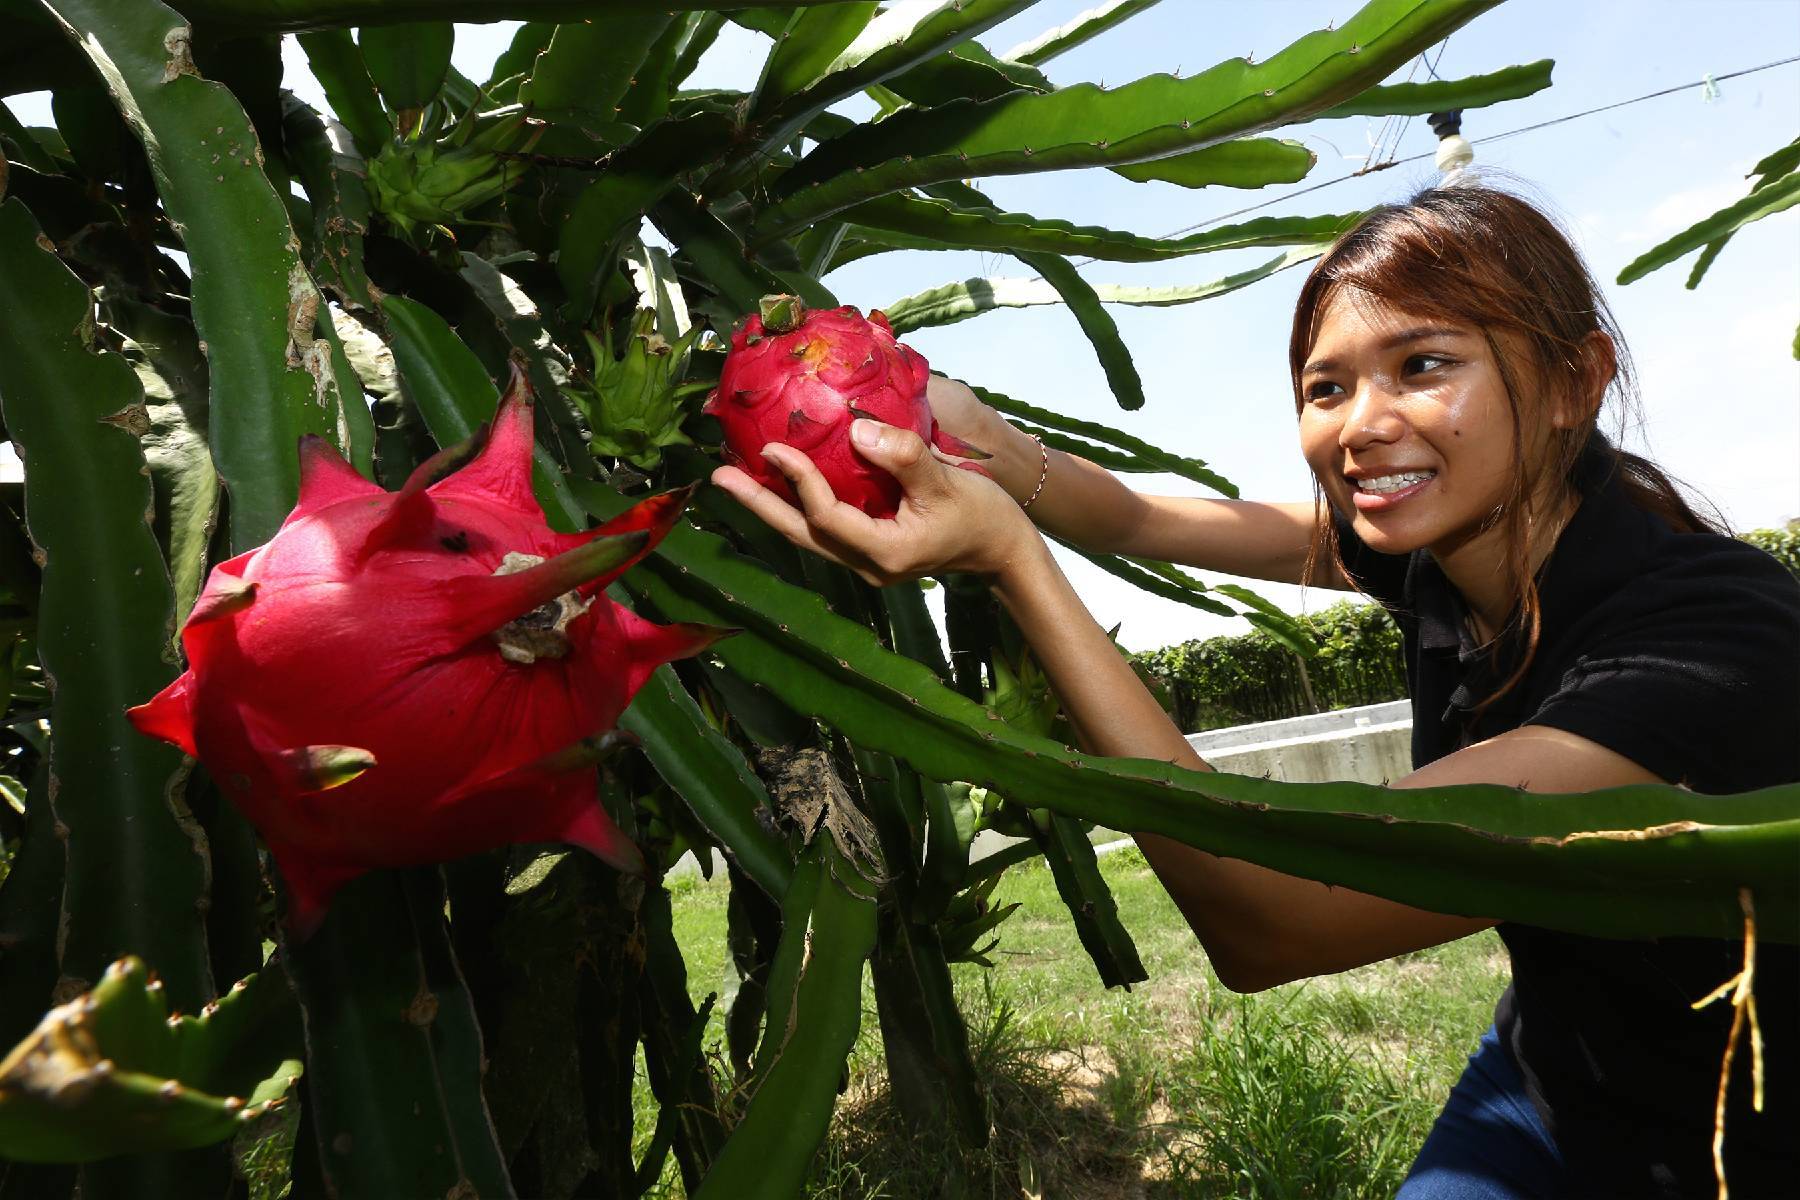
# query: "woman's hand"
1017 463
949 519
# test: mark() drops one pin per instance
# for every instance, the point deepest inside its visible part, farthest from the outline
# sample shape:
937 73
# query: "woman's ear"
1595 364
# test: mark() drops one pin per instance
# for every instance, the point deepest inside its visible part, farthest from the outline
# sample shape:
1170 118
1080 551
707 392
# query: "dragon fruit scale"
402 678
800 377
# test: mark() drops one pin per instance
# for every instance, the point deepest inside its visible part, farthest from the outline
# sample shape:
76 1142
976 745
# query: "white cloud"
1678 210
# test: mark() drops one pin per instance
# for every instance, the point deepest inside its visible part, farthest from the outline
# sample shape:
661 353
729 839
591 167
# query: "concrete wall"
1372 744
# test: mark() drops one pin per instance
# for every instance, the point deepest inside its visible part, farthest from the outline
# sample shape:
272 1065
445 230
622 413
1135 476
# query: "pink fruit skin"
804 387
366 624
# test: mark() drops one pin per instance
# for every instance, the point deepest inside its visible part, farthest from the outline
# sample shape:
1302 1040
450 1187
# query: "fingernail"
865 432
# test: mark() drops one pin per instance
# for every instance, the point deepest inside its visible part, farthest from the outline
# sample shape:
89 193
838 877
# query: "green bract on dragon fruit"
405 678
799 376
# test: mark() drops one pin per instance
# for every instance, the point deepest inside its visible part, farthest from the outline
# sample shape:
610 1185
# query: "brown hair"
1478 256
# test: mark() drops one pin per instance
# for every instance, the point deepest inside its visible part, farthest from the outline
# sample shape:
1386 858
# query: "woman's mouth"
1382 492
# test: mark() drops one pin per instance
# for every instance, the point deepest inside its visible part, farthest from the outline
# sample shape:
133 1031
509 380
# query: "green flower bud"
420 181
631 401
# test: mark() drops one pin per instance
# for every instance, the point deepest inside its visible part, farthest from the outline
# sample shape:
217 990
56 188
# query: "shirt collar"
1600 547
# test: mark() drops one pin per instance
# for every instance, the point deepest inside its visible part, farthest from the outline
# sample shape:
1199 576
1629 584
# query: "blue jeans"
1488 1143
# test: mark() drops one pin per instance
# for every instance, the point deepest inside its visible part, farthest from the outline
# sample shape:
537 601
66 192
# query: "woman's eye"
1418 364
1323 389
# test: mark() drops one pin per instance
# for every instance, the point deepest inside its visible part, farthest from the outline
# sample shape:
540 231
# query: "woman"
1571 623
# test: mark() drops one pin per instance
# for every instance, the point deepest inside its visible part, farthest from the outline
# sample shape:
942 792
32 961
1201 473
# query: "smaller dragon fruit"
422 181
800 377
404 678
632 403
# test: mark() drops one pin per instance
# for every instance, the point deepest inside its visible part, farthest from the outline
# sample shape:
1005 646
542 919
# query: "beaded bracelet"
1042 475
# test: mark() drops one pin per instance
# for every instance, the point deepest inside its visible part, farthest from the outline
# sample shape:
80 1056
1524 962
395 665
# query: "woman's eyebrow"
1417 333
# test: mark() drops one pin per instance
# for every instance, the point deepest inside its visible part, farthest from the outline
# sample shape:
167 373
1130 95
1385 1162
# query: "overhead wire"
1389 126
1431 73
1371 167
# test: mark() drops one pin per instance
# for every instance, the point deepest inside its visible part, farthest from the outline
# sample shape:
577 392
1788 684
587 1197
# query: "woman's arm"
1086 505
1259 927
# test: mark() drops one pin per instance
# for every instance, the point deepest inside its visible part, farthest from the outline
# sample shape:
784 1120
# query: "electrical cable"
1371 168
1431 73
1390 125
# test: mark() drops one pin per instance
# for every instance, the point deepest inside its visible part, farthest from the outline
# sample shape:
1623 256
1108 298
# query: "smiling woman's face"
1405 422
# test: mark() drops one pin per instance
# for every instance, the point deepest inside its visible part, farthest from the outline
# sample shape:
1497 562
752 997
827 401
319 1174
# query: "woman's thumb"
901 452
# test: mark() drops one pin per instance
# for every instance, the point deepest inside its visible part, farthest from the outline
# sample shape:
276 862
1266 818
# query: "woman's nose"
1369 418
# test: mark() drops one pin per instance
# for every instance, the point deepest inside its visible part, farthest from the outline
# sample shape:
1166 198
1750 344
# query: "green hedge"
1784 544
1226 681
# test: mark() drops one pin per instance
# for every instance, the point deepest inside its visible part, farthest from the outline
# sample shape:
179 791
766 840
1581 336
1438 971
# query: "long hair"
1477 256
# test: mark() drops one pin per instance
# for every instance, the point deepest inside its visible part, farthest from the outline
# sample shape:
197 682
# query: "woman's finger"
902 453
824 512
774 511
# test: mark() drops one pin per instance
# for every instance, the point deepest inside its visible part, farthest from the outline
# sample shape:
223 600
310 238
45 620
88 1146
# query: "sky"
1720 390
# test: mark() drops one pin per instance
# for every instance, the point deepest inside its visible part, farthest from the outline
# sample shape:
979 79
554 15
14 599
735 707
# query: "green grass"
1175 1090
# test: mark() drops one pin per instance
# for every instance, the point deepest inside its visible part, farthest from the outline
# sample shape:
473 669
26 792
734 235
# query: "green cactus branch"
1053 43
807 44
336 61
1239 163
136 862
1183 591
711 775
1063 841
393 1051
254 304
1771 168
1770 197
920 223
1144 455
949 303
896 41
1086 125
30 907
687 1118
828 923
296 15
609 210
1473 91
113 1072
1627 862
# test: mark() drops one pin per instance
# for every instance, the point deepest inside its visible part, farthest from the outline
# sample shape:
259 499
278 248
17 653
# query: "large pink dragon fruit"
401 678
800 376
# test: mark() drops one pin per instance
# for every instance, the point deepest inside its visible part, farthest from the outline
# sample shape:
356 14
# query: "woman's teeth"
1394 483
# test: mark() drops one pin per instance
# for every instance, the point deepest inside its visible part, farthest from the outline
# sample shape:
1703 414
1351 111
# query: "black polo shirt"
1682 653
